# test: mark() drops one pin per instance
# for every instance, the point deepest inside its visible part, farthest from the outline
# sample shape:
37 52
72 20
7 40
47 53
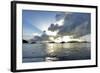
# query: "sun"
66 38
60 39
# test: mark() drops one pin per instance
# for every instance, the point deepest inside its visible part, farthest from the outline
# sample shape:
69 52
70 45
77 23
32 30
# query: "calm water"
56 52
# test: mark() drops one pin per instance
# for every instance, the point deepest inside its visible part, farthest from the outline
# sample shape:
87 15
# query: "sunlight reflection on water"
55 52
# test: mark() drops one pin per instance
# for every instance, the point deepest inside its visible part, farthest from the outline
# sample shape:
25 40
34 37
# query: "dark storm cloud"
54 27
82 29
77 24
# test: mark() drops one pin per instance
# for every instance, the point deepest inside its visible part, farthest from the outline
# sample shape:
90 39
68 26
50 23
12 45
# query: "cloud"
60 17
82 29
76 24
54 27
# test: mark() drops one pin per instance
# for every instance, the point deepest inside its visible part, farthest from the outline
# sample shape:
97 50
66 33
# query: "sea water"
43 52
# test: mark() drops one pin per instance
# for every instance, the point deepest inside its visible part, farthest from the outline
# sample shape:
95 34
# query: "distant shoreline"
24 41
57 43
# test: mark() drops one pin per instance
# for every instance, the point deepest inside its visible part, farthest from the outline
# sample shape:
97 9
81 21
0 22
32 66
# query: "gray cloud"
82 29
54 27
77 24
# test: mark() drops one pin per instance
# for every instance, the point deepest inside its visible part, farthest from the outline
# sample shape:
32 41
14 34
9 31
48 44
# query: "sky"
35 22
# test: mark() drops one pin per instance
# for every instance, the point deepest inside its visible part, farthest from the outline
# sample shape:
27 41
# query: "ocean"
45 52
